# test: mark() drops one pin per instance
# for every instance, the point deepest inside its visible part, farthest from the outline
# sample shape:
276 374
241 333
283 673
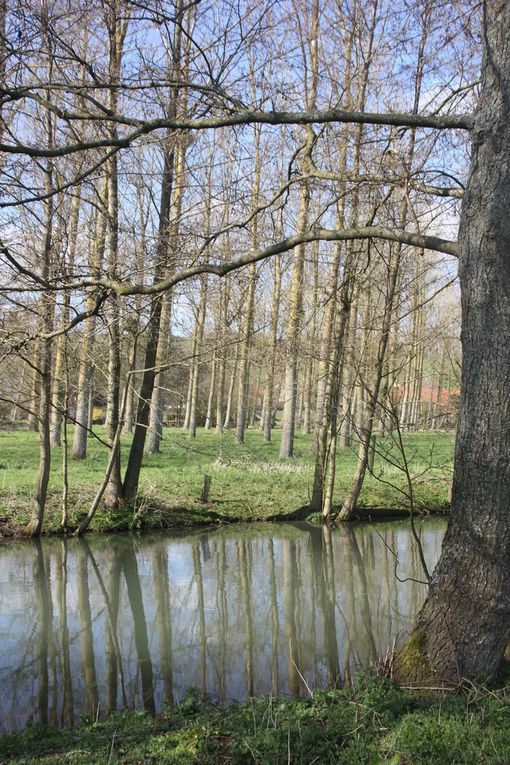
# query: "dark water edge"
93 625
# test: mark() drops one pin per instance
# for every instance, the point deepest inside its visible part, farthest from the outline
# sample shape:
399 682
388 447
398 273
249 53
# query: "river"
92 625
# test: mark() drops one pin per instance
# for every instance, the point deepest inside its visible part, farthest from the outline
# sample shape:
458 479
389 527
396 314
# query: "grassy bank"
249 482
375 722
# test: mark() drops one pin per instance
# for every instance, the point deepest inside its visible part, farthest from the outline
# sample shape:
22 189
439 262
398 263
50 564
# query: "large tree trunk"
462 629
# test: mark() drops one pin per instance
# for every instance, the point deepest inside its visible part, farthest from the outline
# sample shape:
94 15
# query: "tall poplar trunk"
134 325
197 357
293 327
210 398
394 261
155 431
196 361
220 351
228 410
43 368
249 306
62 341
86 367
117 27
348 382
312 338
244 355
411 414
273 341
156 414
113 492
295 299
132 474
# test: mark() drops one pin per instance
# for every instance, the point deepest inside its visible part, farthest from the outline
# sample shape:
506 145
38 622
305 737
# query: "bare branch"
144 127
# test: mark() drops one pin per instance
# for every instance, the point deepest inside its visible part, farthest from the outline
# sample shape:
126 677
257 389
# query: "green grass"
249 482
374 722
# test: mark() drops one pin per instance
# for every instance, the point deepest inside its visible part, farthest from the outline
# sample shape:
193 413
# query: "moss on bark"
411 661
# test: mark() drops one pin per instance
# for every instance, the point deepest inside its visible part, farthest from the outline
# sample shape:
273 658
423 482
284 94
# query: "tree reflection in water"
234 612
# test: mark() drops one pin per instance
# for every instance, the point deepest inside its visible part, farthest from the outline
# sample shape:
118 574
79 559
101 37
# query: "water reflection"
89 626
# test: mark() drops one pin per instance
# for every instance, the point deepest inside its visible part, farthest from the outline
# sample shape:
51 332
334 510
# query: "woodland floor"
248 482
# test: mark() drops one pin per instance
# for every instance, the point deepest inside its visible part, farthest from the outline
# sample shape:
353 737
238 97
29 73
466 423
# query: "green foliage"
374 722
249 481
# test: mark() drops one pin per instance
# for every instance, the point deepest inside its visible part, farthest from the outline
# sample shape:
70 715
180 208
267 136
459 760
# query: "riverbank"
248 482
374 722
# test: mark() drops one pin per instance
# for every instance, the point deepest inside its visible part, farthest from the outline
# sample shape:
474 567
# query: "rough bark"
463 627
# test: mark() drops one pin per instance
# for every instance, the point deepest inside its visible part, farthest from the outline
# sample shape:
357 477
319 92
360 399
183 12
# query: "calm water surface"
88 626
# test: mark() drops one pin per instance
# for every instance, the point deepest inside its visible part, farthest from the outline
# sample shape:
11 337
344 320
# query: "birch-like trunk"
293 329
86 366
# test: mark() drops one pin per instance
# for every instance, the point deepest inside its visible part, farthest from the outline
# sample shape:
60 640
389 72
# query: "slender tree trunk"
220 351
130 393
86 366
244 355
46 309
155 430
113 493
393 268
132 474
249 306
329 466
273 334
349 376
117 27
312 339
200 323
210 398
293 327
61 345
230 395
197 359
164 338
